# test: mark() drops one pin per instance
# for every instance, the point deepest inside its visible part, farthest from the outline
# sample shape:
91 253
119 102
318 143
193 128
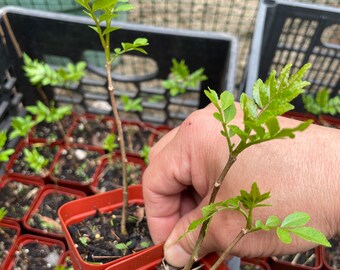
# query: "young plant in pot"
260 124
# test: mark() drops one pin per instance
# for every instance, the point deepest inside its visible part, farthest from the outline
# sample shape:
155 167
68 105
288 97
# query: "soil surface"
96 237
6 241
46 218
111 176
333 254
306 258
135 138
37 256
17 198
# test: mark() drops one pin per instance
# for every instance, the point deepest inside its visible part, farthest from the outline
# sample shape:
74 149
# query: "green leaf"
295 219
283 235
218 116
110 29
212 96
230 113
273 221
259 224
4 155
95 29
209 210
311 234
101 4
124 7
3 138
227 99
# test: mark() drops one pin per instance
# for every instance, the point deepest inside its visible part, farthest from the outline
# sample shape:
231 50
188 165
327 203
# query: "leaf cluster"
322 103
41 74
4 153
109 143
3 212
144 153
132 104
180 78
260 113
35 160
21 126
50 114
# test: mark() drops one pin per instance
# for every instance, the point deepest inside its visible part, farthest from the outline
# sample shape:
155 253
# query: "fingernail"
176 255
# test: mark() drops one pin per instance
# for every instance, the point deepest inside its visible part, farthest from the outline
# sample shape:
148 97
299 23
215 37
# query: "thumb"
177 252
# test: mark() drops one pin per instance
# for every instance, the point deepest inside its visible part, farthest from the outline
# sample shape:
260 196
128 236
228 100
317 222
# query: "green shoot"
41 74
124 247
109 143
3 212
49 115
132 105
144 153
4 153
35 160
322 103
21 126
104 11
271 99
84 240
180 78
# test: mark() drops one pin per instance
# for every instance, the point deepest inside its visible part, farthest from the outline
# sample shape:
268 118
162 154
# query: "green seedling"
84 240
124 247
271 99
21 126
132 104
180 78
4 153
50 114
3 212
81 171
35 160
144 244
144 153
102 12
322 103
109 144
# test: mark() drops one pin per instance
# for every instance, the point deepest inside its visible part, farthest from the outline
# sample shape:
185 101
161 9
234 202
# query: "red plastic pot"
13 226
301 116
330 256
258 264
34 183
26 239
278 264
158 133
105 162
330 121
47 190
29 174
76 211
65 260
71 183
154 257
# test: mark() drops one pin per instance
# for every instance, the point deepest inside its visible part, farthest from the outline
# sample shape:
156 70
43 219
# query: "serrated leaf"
295 219
248 106
101 4
311 234
273 126
283 235
208 210
236 130
212 96
110 29
273 221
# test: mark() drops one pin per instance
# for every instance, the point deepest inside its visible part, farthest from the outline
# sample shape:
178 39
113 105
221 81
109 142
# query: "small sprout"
3 212
144 244
123 246
84 240
109 143
4 154
35 160
21 126
144 153
132 105
49 115
180 78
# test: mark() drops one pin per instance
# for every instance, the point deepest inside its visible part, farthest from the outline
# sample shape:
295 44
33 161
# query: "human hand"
186 162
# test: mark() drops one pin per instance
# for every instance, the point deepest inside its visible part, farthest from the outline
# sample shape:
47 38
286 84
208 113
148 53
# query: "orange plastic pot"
78 210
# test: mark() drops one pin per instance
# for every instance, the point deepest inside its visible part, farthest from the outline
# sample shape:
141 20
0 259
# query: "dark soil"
17 198
20 165
6 241
135 138
306 258
251 267
77 165
37 256
333 254
92 131
96 237
50 131
46 218
111 176
67 263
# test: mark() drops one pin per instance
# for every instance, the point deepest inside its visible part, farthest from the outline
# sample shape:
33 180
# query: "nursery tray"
67 38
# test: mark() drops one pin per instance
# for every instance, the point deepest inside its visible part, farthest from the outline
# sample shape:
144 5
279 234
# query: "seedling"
322 103
35 160
124 247
260 124
21 126
110 145
3 212
144 153
4 153
132 105
104 12
180 78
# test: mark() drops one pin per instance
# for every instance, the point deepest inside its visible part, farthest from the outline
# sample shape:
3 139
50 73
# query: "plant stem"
226 252
201 236
121 146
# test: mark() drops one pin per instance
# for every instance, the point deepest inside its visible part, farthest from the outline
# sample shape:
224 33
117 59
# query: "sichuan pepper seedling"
322 103
271 99
4 153
104 11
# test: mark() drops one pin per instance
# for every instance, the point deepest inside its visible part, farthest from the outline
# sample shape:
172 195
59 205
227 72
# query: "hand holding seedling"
185 164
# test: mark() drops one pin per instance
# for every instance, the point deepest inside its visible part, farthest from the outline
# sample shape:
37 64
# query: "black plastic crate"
297 33
62 38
